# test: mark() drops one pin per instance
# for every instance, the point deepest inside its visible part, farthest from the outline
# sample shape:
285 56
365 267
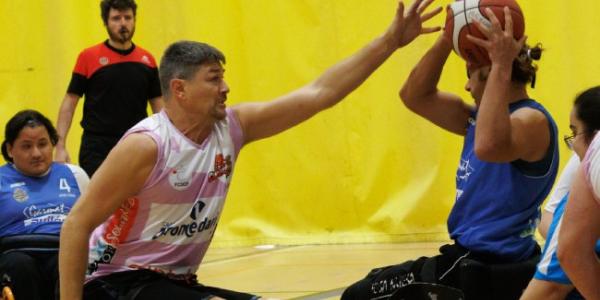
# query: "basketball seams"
519 12
474 10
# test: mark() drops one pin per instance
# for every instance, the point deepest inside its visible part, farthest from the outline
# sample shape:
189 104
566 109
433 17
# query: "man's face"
206 92
120 25
476 82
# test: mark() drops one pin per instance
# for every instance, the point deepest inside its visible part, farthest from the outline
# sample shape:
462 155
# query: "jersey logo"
145 60
20 195
464 170
103 60
189 228
197 209
179 178
121 222
223 166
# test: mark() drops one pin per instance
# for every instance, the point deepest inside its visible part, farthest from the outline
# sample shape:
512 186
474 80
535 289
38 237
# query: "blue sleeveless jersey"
36 204
497 206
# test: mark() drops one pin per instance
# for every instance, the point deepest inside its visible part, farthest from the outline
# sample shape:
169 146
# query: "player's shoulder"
94 49
145 54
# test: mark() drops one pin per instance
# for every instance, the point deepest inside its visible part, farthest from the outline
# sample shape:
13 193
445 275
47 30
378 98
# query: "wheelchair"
26 243
478 281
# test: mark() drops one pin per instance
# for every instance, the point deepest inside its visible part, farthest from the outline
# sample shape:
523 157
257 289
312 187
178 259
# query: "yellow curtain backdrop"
366 170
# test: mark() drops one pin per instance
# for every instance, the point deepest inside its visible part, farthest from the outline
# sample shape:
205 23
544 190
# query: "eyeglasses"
569 140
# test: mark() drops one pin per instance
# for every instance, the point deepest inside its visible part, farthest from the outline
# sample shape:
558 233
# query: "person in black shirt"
118 79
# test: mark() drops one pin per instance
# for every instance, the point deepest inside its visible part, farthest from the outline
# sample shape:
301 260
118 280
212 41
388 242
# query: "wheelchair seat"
26 243
29 242
495 281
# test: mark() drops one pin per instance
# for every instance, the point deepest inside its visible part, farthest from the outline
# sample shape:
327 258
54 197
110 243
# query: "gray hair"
182 59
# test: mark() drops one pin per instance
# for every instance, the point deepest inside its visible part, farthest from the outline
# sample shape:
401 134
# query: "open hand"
408 26
500 44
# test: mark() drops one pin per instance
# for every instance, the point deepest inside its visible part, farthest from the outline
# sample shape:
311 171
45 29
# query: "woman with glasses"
36 195
550 280
581 224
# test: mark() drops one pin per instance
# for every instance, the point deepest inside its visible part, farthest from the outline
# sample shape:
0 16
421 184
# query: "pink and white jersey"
167 227
591 166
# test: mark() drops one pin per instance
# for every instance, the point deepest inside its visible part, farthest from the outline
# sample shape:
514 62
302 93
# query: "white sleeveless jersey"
591 166
167 227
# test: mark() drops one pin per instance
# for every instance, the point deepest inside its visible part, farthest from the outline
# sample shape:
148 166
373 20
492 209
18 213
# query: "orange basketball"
459 22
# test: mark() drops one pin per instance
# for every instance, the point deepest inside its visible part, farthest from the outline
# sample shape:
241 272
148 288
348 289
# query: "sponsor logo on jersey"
145 60
20 195
35 214
179 178
188 229
121 222
222 167
102 253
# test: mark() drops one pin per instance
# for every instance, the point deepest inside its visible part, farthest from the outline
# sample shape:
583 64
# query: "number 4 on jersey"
63 185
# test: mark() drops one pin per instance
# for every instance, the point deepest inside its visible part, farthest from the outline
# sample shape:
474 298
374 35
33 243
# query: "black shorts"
93 151
442 269
149 285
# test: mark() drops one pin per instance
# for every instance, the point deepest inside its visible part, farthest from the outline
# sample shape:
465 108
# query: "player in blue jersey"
507 167
36 195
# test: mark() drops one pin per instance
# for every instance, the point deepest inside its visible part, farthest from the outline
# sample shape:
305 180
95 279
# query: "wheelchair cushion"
29 242
495 281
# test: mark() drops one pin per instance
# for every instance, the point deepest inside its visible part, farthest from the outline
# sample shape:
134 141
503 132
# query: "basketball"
459 22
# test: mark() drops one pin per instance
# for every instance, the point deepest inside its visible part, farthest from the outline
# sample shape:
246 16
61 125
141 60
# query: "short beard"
120 37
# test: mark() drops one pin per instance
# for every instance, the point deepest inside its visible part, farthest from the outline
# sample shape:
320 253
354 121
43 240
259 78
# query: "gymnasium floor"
308 272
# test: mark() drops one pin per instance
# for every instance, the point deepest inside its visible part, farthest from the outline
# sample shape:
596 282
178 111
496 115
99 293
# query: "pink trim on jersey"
168 225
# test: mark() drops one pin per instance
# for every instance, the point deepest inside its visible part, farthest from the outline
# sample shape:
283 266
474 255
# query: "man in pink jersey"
152 208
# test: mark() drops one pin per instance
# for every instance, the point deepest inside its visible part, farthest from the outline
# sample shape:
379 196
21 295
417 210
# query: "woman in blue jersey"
36 195
550 280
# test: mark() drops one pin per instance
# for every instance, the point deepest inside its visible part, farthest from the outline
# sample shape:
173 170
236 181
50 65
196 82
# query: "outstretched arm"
261 120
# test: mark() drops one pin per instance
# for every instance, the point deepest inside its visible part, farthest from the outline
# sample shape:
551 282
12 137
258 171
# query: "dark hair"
182 59
587 109
30 118
106 5
523 70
